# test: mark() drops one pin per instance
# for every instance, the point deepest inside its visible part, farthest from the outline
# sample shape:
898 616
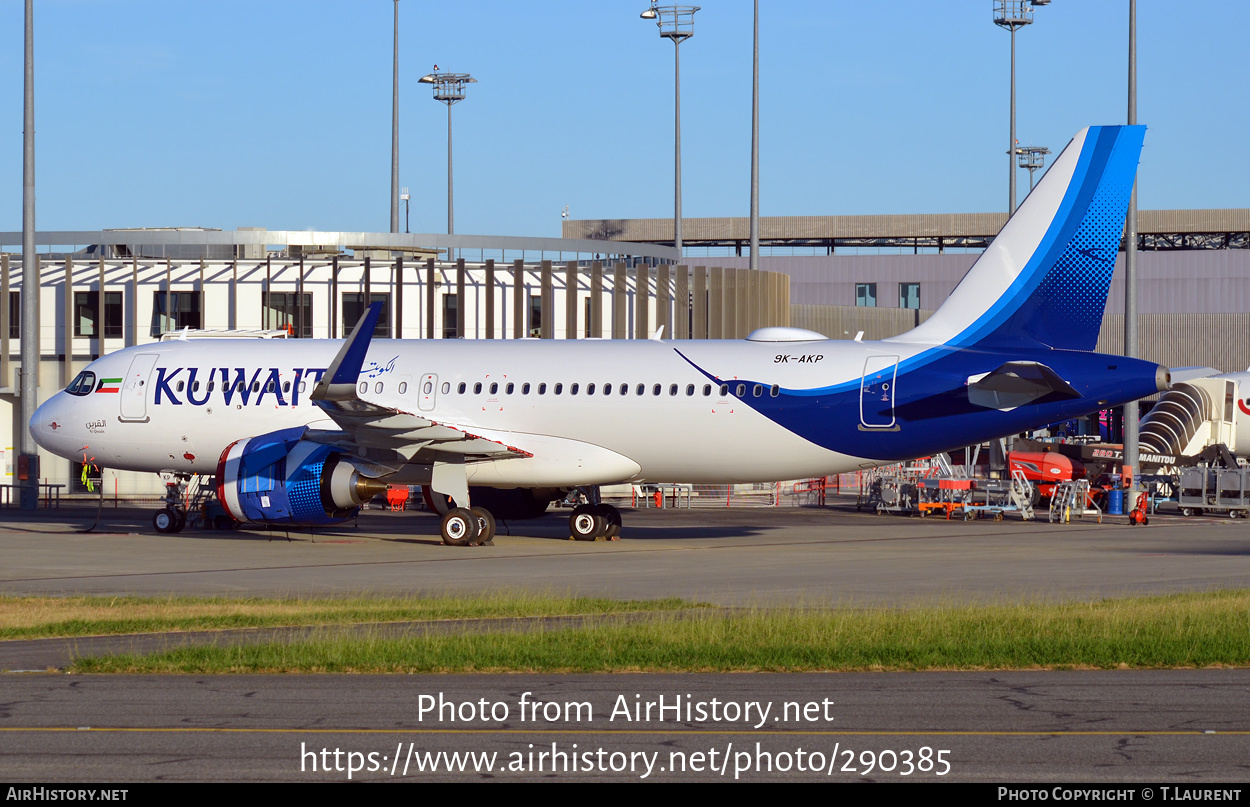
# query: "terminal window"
354 308
536 316
909 295
282 313
184 311
451 310
15 315
86 305
866 294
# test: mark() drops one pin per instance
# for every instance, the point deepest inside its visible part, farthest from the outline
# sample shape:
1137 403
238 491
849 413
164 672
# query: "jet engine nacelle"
281 478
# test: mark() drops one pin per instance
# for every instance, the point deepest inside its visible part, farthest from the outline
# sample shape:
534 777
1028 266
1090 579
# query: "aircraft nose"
49 426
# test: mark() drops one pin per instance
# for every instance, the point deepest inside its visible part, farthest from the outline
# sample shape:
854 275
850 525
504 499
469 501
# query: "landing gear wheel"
166 521
586 524
613 518
181 522
459 527
485 525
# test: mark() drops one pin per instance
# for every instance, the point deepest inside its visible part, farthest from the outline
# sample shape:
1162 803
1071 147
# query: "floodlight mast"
1013 14
449 89
1032 158
675 23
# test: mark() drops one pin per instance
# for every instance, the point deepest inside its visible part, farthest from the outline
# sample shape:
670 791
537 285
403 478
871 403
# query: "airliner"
302 432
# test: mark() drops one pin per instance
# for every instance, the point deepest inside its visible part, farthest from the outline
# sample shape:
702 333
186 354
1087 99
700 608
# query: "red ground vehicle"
1045 469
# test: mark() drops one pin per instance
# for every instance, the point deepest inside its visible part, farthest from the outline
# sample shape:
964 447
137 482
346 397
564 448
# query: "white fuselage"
164 417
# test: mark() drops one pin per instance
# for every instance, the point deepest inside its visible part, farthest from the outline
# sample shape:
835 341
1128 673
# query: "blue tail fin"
1043 281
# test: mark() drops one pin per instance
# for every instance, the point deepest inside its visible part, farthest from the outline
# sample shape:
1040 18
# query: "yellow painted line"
625 732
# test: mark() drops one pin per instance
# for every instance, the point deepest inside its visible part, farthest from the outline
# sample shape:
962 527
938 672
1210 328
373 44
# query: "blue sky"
277 114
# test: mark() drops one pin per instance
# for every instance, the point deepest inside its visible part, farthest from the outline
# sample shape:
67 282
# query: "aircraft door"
876 392
134 397
427 394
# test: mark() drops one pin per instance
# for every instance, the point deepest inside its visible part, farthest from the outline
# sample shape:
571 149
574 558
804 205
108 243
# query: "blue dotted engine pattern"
304 491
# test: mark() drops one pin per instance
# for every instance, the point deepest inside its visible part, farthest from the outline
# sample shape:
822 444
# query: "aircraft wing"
379 427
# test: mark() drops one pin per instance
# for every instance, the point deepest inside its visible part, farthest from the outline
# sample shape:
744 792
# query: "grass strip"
53 617
1185 630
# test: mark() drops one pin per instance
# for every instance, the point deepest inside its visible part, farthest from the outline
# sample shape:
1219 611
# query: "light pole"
675 23
449 89
28 457
395 130
1132 450
1013 14
404 197
1032 158
754 261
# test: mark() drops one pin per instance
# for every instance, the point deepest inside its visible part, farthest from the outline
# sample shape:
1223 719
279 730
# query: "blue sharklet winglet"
339 381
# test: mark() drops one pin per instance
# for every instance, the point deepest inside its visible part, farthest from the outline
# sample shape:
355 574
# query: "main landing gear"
590 522
468 526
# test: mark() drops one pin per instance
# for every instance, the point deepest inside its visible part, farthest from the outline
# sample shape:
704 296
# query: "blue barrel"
1115 502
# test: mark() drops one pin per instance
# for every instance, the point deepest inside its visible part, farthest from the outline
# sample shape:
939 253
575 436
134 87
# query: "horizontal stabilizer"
1017 383
1181 374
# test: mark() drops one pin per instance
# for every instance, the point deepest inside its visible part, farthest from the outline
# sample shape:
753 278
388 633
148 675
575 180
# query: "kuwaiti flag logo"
109 385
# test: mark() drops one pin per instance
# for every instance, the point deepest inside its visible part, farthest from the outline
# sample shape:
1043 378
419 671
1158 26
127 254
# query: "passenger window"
477 388
494 388
757 390
672 389
624 389
707 390
724 390
403 387
572 389
196 386
655 390
641 389
690 389
428 388
268 387
542 389
212 385
286 386
364 387
181 384
607 389
775 391
525 389
508 389
446 387
378 388
559 388
256 386
460 389
741 391
590 389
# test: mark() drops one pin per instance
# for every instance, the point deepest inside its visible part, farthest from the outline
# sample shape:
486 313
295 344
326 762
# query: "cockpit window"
82 384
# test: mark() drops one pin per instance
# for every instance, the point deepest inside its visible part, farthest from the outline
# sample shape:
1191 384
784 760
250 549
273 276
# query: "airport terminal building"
880 275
